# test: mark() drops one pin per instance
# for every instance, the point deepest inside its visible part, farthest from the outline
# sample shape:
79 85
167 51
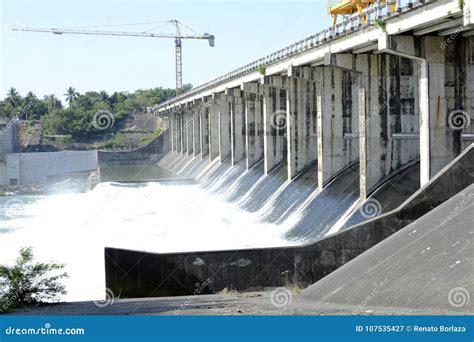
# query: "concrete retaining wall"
37 167
141 274
150 153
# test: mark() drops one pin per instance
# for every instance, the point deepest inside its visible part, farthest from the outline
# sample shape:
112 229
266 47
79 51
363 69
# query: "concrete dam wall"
344 137
151 274
150 153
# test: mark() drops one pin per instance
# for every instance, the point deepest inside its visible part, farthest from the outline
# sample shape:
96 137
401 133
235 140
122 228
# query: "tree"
13 98
104 97
30 96
28 282
52 102
71 95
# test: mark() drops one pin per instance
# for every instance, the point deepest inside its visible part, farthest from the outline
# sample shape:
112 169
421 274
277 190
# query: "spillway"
304 212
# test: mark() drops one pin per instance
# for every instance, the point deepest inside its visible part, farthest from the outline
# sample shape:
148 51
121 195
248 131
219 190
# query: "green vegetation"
120 140
262 70
76 121
380 24
150 137
28 282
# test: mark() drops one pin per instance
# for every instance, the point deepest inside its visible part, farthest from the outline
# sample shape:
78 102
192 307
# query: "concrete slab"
426 265
232 303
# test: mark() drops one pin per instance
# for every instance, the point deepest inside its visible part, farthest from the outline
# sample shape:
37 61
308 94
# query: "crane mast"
178 36
179 59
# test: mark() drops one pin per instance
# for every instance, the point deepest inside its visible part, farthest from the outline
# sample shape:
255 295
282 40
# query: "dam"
344 137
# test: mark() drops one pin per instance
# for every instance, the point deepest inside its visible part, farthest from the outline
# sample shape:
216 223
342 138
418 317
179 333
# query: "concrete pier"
275 121
223 104
253 124
196 127
301 119
237 125
189 119
214 129
203 112
383 98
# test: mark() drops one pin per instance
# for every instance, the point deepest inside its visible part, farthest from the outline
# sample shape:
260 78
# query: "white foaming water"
74 228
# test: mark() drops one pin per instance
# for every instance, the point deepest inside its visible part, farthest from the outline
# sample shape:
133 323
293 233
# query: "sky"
48 64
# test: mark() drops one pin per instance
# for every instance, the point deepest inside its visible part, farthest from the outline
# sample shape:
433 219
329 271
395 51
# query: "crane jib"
177 37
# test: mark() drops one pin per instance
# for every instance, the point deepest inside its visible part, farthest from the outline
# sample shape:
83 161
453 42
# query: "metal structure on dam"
382 89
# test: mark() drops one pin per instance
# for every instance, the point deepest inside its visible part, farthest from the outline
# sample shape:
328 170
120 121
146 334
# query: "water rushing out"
74 228
230 208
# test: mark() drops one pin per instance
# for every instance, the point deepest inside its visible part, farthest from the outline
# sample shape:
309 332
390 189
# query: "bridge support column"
204 127
237 127
171 119
176 133
182 133
274 121
338 115
189 132
425 157
213 130
253 124
404 46
223 105
446 85
196 128
301 119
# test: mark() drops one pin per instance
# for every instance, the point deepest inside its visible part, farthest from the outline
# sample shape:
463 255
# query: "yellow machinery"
346 7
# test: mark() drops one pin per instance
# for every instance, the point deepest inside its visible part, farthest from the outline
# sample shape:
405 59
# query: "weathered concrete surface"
417 267
10 136
253 125
39 167
152 274
274 125
301 120
204 126
189 119
237 125
213 130
223 104
196 123
231 303
151 153
338 117
390 86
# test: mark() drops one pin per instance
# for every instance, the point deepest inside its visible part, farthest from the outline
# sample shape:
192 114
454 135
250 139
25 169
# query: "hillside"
135 131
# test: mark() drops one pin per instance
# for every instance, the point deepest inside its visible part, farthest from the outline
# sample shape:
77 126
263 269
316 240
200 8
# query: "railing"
372 14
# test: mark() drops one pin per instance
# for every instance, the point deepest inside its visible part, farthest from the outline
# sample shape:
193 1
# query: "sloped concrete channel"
175 274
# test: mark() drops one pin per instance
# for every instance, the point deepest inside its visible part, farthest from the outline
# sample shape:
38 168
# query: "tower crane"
178 36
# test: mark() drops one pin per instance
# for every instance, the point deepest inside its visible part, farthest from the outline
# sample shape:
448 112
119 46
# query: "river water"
74 228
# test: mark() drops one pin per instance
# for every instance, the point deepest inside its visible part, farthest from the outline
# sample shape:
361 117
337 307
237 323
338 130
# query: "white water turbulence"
74 228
